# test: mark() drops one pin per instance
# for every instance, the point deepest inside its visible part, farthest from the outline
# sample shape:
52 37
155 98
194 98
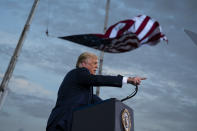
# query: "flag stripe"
138 21
146 29
154 26
124 43
142 25
124 30
156 37
114 31
108 32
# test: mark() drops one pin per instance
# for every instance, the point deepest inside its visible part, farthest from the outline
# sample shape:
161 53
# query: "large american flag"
123 36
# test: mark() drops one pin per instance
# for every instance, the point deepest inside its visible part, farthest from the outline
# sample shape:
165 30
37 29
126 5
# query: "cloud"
21 129
26 112
38 107
4 114
8 39
23 86
29 101
29 98
66 18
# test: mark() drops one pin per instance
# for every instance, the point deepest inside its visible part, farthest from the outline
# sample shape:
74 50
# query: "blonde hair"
84 56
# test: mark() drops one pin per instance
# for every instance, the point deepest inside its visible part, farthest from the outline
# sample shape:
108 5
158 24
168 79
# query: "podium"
108 115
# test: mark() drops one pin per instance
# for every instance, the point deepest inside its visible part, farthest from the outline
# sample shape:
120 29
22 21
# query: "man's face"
91 64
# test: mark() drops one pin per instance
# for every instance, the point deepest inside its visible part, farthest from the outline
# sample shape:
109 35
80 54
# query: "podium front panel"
119 124
104 116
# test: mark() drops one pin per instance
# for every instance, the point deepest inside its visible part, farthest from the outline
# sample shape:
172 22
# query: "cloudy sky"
167 100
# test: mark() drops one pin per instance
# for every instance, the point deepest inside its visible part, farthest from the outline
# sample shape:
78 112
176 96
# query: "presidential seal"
126 120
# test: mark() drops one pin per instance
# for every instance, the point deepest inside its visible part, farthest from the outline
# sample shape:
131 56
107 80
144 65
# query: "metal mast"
102 52
192 35
9 72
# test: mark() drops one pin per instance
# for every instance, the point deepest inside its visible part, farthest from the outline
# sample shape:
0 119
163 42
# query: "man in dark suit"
76 91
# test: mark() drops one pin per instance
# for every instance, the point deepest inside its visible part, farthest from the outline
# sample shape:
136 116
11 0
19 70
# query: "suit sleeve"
85 78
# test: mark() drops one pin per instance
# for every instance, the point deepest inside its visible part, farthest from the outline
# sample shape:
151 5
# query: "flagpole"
102 52
9 72
192 35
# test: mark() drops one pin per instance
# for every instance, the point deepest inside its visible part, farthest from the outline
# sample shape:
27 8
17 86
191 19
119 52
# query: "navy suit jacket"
76 91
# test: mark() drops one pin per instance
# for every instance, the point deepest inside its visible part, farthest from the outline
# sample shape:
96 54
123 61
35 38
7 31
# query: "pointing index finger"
143 78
